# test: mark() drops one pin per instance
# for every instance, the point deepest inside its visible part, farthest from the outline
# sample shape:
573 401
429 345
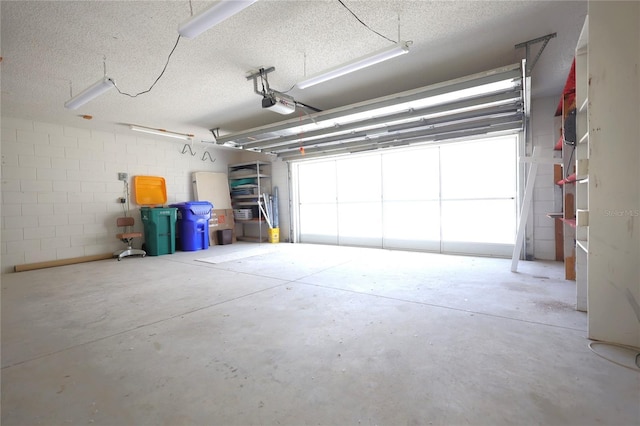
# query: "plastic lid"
196 207
150 190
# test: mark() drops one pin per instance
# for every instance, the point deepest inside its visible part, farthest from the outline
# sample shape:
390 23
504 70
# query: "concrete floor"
304 335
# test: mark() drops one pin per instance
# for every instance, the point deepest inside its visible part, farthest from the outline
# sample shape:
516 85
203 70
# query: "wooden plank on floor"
60 262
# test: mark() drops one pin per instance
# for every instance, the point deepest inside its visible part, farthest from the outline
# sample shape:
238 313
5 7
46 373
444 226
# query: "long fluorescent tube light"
212 16
379 56
90 93
162 132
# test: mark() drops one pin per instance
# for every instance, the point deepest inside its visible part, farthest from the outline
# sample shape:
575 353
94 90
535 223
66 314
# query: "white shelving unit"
613 186
582 168
253 179
565 178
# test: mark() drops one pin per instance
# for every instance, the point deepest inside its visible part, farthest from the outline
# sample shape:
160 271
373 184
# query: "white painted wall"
60 186
546 195
614 175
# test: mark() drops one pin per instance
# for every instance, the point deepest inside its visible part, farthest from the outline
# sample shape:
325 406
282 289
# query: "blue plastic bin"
192 225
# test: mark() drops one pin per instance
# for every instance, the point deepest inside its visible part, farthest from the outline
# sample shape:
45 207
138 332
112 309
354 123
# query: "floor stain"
554 305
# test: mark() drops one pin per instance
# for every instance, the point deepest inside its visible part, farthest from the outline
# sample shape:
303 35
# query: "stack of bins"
159 222
193 225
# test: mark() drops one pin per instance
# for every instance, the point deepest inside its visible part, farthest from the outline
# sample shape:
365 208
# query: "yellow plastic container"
274 235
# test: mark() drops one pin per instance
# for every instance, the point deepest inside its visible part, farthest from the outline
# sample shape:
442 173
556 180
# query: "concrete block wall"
546 194
60 186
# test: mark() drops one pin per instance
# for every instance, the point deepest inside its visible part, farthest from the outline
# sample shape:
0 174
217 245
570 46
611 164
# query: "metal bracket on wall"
262 74
184 149
527 45
204 156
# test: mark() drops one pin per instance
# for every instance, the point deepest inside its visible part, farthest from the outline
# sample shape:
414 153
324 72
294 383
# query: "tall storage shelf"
573 174
565 179
582 167
248 183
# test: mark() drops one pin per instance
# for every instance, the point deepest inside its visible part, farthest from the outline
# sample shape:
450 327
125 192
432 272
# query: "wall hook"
213 160
184 149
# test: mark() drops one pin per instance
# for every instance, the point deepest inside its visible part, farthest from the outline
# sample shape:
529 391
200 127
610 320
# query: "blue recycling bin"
192 225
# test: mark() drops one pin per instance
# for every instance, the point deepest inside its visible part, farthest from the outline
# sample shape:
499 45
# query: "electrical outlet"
122 176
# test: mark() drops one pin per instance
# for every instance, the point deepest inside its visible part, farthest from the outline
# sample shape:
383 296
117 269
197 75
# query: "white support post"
526 206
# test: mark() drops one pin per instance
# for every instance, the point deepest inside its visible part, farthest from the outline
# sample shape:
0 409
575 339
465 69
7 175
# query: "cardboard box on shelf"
221 219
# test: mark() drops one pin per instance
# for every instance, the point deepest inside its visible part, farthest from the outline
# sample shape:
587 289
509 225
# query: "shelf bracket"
527 45
262 74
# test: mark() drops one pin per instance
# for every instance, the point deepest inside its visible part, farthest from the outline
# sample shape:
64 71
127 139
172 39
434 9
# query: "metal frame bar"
527 45
401 130
505 98
454 135
499 74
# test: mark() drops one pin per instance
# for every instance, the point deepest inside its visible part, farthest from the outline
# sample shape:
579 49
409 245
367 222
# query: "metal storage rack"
248 183
582 168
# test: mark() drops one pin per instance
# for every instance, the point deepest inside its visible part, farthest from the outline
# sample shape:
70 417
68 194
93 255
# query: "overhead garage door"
455 198
491 102
446 191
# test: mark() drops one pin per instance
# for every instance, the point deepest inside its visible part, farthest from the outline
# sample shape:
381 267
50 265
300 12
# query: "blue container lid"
201 208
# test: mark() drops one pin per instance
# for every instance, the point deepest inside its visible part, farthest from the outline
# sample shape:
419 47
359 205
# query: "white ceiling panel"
46 45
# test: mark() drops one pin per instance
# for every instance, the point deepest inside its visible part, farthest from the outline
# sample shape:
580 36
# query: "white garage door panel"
319 223
411 175
454 198
479 221
480 169
319 182
411 225
497 250
359 179
360 224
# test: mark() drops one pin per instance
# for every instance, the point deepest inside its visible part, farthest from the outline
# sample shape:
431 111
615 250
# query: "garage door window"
455 198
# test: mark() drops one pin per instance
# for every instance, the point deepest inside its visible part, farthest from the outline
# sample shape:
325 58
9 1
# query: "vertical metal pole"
524 213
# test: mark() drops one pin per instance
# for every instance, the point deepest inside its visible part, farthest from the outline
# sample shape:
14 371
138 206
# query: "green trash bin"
159 230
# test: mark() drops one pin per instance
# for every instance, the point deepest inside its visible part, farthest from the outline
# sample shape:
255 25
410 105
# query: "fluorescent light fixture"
92 92
379 56
162 132
212 16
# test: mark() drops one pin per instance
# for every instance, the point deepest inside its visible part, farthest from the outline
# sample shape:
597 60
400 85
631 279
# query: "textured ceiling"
47 45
